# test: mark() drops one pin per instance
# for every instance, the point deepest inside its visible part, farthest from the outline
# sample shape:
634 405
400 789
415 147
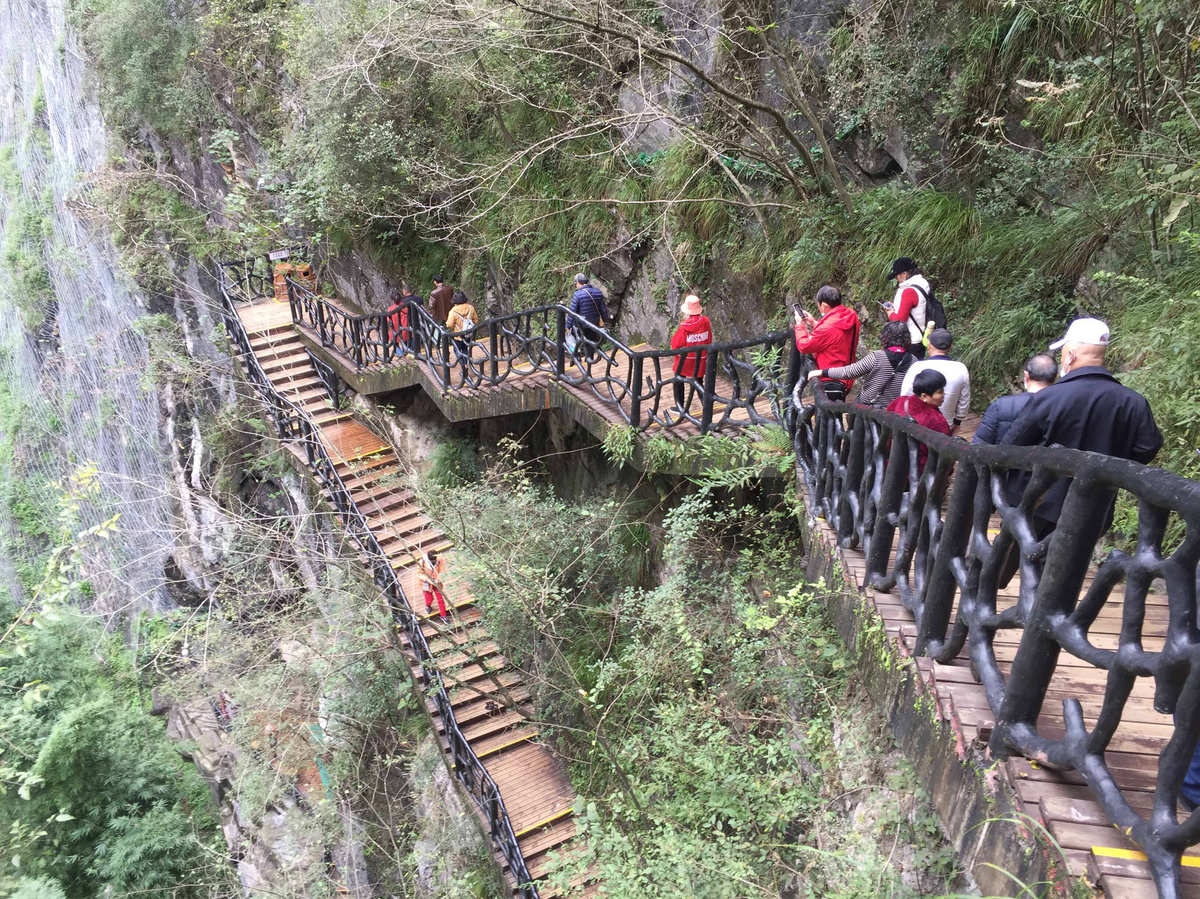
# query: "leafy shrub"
98 799
142 49
454 462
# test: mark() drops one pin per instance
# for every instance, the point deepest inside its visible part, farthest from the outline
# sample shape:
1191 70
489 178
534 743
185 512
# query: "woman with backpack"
882 370
914 303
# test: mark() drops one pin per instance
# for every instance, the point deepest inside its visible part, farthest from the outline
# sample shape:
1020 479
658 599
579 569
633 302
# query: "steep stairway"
490 702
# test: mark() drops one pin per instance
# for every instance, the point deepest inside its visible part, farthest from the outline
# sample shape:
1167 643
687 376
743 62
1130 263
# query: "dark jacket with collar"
1088 409
999 416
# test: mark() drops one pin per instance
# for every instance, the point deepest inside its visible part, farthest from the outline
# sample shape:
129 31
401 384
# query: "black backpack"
934 310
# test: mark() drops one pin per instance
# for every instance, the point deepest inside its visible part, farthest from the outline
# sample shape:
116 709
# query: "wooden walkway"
1091 846
507 741
601 403
490 702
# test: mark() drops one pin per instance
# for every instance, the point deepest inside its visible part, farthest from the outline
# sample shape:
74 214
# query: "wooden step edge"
408 559
557 816
379 451
525 738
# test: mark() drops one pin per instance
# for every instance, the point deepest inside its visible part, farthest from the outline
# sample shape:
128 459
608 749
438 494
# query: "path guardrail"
926 536
293 424
639 384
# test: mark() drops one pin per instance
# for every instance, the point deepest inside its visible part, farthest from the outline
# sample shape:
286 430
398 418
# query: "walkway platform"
1060 802
596 395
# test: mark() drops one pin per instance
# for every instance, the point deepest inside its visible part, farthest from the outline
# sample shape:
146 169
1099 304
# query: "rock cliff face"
74 351
131 385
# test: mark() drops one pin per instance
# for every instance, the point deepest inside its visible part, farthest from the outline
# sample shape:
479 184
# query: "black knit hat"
903 264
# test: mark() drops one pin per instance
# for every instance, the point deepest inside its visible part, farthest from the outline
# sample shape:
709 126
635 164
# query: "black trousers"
680 388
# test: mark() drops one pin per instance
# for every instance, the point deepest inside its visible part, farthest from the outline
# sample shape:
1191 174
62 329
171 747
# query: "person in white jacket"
958 380
908 305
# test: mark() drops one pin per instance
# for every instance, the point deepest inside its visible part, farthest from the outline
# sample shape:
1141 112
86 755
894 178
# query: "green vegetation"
143 50
692 677
1041 155
95 797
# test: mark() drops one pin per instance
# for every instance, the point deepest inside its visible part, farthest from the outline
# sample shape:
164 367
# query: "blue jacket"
998 416
588 303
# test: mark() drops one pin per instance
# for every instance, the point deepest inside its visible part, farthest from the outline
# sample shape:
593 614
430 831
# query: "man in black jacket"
1088 409
1039 372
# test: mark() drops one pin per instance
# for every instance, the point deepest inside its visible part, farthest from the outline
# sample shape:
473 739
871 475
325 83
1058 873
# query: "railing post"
445 348
494 351
795 361
635 390
880 547
320 323
854 472
710 388
356 341
560 364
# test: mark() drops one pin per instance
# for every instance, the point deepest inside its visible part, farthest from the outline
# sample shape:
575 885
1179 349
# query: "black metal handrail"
293 424
329 378
925 533
639 384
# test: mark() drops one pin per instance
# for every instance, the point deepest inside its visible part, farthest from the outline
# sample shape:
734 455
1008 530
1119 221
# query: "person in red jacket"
694 331
929 389
832 340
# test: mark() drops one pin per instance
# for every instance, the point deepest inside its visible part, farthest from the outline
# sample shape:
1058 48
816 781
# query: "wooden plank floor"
1061 801
490 703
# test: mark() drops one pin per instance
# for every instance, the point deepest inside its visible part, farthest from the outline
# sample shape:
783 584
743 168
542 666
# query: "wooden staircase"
490 701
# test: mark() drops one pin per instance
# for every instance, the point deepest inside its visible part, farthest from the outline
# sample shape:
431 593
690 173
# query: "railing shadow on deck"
242 280
925 535
637 385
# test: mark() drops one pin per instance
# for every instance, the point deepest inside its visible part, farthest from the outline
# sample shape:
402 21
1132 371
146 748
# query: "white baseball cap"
1084 330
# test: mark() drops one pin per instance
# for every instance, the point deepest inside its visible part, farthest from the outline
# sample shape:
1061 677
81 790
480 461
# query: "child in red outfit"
433 570
929 389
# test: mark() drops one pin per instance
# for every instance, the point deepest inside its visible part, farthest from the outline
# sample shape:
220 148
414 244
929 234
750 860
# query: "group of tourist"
588 316
447 306
913 374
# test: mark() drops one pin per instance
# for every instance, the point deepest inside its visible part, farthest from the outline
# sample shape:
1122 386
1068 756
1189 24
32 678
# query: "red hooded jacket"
833 341
696 330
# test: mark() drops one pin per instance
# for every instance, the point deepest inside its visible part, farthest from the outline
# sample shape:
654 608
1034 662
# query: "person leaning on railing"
399 317
1039 372
922 406
958 380
883 369
831 340
1088 409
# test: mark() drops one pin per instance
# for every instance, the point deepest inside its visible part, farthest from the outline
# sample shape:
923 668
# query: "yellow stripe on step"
1189 861
555 817
504 746
378 451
